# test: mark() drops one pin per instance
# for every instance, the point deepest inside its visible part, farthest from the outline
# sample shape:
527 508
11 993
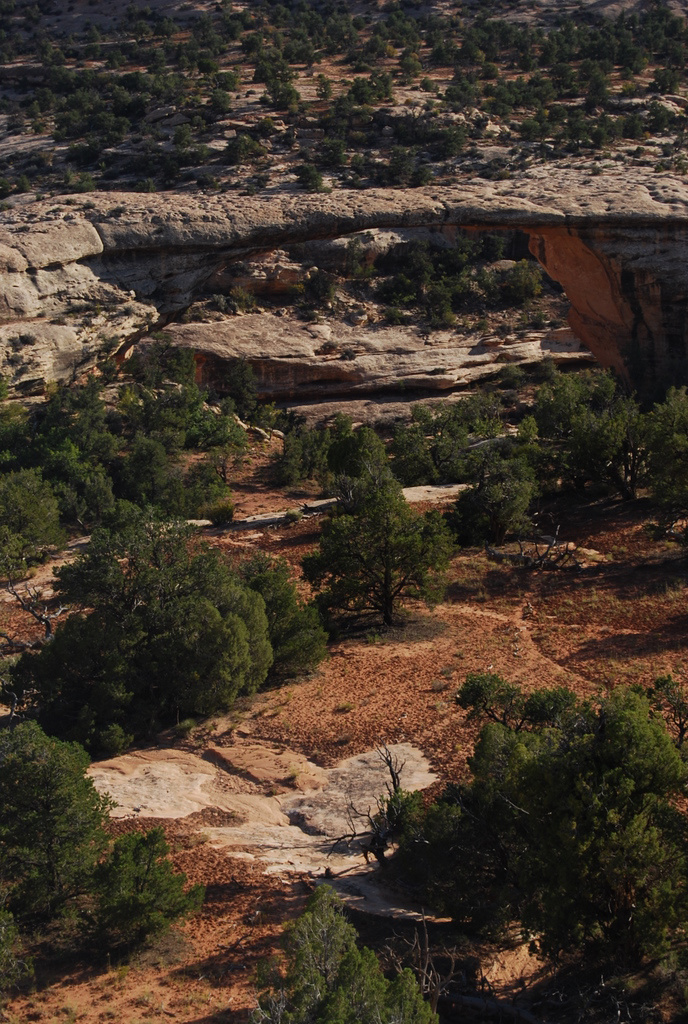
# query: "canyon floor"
253 802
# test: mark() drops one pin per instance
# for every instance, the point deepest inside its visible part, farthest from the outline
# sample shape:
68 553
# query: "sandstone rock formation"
294 361
105 267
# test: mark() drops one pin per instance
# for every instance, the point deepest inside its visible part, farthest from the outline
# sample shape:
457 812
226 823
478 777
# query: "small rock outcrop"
79 276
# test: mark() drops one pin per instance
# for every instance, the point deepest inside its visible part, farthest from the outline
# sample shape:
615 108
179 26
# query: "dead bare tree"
273 1009
32 602
543 553
438 970
373 837
393 765
433 979
379 829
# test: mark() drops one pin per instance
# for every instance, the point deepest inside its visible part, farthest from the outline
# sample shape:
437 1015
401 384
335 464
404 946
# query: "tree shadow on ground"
227 1016
653 576
671 636
271 908
599 992
489 582
411 626
300 538
59 965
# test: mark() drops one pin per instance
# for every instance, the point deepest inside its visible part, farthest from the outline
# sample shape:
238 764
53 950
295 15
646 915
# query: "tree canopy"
167 629
51 820
82 453
570 825
375 550
56 860
29 520
297 637
137 890
497 503
329 980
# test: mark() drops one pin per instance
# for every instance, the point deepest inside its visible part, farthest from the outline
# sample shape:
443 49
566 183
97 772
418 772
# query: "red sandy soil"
202 972
253 487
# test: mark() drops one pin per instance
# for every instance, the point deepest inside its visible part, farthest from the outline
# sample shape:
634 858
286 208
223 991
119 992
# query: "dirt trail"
524 644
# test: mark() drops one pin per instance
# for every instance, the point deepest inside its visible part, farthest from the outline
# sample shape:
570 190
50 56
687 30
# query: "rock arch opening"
109 267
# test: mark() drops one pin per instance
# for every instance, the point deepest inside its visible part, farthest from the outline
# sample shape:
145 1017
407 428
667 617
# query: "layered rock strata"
294 362
80 275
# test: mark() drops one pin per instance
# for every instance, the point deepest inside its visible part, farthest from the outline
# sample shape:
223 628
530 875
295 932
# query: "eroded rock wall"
294 361
80 275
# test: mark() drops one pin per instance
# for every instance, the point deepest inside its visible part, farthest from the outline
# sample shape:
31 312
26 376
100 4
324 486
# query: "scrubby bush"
221 512
497 505
523 282
309 177
243 150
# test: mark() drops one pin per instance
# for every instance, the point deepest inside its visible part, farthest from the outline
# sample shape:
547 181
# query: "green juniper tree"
54 853
29 520
297 637
570 825
51 821
497 503
375 550
137 891
329 980
165 631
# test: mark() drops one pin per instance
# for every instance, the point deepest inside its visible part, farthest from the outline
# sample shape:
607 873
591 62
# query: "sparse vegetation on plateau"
140 100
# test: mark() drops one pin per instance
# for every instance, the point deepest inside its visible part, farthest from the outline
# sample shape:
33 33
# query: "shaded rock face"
628 295
269 275
82 276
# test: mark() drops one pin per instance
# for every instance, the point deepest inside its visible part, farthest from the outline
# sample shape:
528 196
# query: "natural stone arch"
615 243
